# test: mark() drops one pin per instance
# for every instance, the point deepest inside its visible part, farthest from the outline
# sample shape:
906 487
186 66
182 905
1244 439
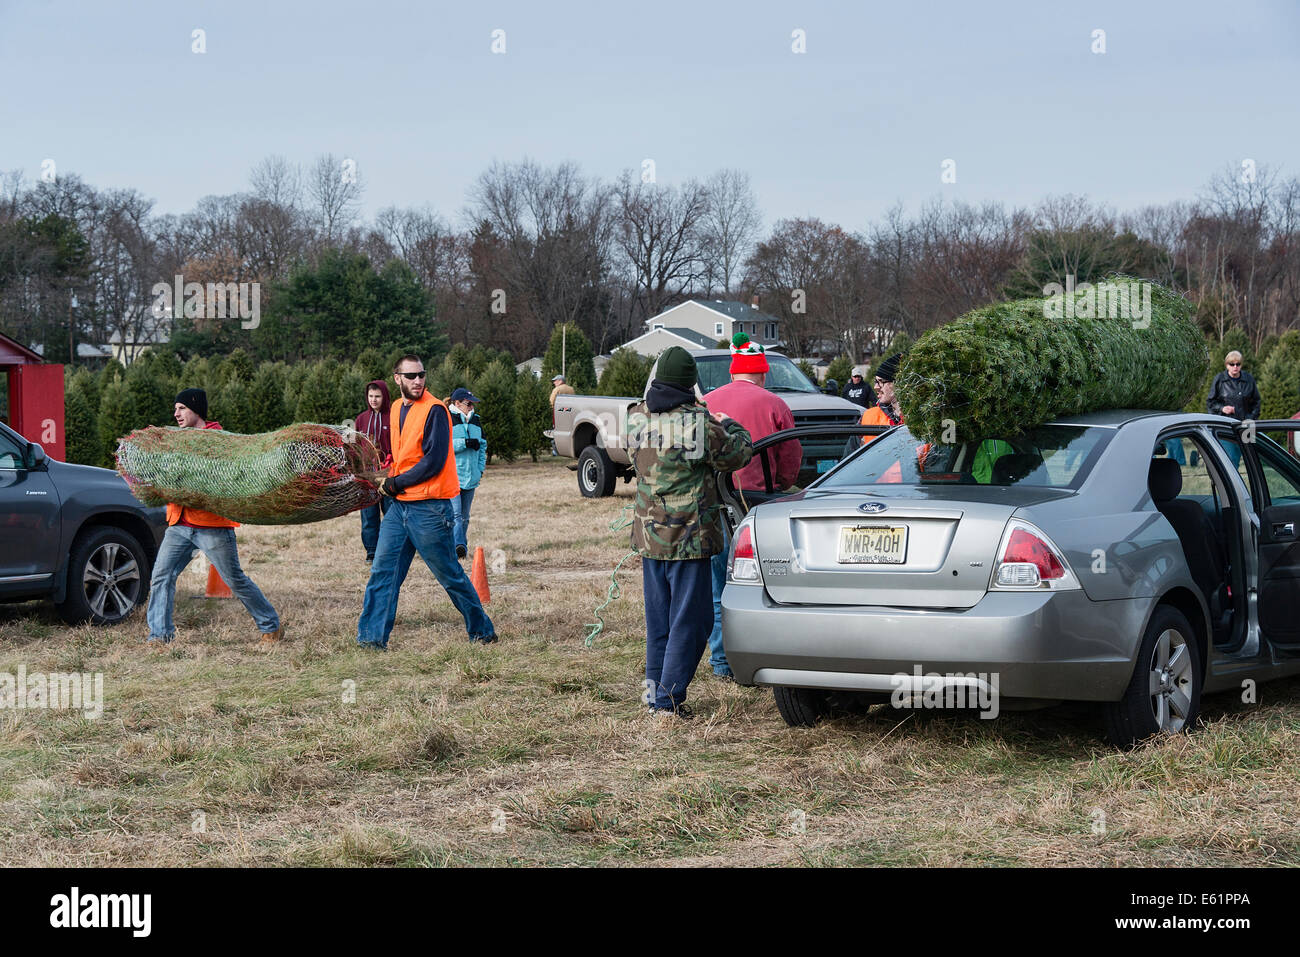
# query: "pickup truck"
589 428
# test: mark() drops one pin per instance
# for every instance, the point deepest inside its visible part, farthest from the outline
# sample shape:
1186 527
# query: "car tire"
108 577
596 473
1164 695
801 707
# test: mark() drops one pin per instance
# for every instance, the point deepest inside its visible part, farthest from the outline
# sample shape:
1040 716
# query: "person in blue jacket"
470 446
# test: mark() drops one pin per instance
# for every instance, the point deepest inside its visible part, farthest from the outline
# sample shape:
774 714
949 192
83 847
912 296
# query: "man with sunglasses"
422 482
1235 394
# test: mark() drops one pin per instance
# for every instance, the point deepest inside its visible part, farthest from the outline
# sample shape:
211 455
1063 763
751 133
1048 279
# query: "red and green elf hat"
746 356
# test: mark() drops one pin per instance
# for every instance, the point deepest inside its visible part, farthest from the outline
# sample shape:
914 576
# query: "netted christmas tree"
1007 368
303 473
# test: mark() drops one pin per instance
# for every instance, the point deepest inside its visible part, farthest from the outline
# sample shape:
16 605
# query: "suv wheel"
801 707
1164 696
108 577
596 476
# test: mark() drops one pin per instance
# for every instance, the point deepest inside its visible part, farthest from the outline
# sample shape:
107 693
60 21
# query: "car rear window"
1052 456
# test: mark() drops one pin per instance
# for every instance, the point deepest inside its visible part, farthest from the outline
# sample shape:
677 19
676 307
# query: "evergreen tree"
501 426
532 399
83 444
87 382
841 370
238 365
151 402
321 400
116 419
581 370
341 305
294 377
230 406
266 406
1279 380
372 365
625 374
352 393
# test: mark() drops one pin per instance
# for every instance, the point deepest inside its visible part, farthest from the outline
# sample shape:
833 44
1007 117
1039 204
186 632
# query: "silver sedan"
1129 558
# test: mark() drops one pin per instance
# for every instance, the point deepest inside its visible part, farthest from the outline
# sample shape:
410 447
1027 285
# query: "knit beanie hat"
676 367
889 368
196 400
746 356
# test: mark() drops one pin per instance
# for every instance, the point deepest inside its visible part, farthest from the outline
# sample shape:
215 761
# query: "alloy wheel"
1170 681
109 570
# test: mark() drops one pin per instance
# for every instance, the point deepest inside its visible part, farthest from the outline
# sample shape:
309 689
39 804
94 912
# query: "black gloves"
389 487
472 444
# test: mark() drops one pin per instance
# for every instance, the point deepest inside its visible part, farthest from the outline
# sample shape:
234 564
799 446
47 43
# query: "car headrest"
1013 467
1165 479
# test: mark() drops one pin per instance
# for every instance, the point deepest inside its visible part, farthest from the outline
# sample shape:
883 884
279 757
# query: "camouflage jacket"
677 514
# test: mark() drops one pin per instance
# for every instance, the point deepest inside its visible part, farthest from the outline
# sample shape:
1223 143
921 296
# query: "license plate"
825 465
873 544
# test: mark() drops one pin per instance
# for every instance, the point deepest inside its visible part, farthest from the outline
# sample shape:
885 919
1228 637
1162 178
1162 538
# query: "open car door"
823 448
1274 475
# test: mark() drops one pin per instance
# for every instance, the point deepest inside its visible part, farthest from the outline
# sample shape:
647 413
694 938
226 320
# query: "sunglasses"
412 375
1234 363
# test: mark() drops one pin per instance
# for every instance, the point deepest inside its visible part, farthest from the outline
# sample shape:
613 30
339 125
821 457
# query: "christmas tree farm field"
536 750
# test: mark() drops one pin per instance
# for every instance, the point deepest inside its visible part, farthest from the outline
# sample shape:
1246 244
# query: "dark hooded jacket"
374 425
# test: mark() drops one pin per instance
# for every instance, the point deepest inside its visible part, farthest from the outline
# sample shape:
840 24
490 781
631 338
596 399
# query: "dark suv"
74 534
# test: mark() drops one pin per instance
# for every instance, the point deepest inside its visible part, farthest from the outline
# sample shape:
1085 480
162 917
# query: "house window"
717 328
657 325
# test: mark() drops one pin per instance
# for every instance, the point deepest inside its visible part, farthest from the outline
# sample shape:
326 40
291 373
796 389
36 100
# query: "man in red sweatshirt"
191 529
373 424
761 413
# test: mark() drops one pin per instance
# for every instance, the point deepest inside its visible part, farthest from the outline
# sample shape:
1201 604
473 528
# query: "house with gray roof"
701 323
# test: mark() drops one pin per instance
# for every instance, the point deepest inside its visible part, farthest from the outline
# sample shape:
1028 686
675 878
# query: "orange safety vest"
408 449
196 516
875 416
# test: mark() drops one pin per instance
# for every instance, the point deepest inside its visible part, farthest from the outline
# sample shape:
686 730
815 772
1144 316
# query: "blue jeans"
370 519
425 527
718 567
676 625
175 552
460 505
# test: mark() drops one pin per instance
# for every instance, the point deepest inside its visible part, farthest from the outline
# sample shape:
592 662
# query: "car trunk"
823 549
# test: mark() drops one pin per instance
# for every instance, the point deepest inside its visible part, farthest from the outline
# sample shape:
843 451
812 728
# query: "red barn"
35 397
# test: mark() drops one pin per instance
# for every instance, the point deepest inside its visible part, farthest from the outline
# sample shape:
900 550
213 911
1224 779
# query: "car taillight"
743 566
1029 560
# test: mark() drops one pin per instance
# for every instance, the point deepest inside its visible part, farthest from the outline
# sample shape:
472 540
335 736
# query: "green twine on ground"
597 626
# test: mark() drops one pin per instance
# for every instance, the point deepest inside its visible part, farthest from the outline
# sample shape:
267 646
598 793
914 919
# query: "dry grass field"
536 750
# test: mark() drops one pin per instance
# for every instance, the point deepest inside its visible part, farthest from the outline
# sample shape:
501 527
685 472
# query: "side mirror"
831 387
37 456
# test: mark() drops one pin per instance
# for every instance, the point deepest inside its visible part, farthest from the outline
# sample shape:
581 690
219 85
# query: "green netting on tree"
303 473
1003 369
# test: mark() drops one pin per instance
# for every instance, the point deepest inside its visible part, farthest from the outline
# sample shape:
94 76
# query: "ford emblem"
872 507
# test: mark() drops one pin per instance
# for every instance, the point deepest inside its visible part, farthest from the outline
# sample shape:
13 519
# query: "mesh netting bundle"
1007 368
303 473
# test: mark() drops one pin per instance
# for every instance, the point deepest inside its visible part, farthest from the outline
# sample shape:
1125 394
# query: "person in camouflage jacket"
676 445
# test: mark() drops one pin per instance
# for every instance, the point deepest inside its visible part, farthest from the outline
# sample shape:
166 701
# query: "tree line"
540 246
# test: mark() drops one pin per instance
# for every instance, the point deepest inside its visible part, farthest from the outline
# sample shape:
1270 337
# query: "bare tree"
728 227
659 234
554 228
277 181
334 188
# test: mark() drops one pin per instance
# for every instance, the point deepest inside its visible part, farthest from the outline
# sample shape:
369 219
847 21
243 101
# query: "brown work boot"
270 638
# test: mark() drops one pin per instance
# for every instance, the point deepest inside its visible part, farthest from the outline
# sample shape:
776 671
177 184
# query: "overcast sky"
885 92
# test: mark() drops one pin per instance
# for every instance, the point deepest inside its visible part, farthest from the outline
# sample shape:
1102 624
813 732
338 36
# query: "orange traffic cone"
478 576
216 587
